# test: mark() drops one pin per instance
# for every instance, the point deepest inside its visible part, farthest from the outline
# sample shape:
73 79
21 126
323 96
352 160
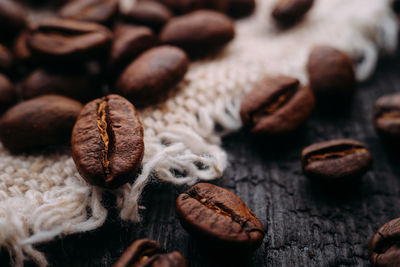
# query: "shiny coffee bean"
384 249
387 116
68 40
42 82
148 253
152 75
276 105
331 73
150 13
199 33
219 217
12 18
107 142
6 58
99 11
289 12
39 122
335 160
129 41
241 8
8 95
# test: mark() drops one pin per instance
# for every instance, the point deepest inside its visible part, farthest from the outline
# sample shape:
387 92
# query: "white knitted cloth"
44 196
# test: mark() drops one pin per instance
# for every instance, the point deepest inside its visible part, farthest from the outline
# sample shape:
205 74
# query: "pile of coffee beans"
78 71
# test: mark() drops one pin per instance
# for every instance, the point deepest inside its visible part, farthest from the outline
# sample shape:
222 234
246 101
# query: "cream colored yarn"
42 197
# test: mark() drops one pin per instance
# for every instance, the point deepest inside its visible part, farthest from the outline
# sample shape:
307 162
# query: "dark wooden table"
305 225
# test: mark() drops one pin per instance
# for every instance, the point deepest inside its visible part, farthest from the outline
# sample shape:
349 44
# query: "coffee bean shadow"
338 193
334 107
45 151
392 150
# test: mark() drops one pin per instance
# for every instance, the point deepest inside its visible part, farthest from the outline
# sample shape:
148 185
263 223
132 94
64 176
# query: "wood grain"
306 225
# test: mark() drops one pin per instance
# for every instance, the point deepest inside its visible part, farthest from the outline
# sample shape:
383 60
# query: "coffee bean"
152 75
12 18
148 253
384 247
39 122
330 72
288 12
276 105
149 13
335 160
387 116
41 82
6 58
8 96
199 33
218 216
107 142
100 11
57 39
218 5
129 41
241 8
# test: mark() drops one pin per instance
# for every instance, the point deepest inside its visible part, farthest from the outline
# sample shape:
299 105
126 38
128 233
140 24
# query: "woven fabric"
43 196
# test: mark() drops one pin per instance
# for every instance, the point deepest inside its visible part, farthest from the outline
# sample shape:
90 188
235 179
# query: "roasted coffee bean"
218 216
57 39
335 160
241 8
184 6
107 142
39 122
6 58
276 105
289 12
20 48
149 13
330 72
8 96
146 252
199 33
152 75
387 116
218 5
12 18
129 41
100 11
42 82
384 249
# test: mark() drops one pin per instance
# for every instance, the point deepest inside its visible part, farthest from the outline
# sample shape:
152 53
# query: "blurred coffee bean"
150 13
6 58
12 18
107 142
331 73
42 82
335 160
276 105
199 33
20 48
39 122
289 12
218 5
384 250
68 40
8 95
146 252
99 11
387 116
241 8
129 41
150 77
219 217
